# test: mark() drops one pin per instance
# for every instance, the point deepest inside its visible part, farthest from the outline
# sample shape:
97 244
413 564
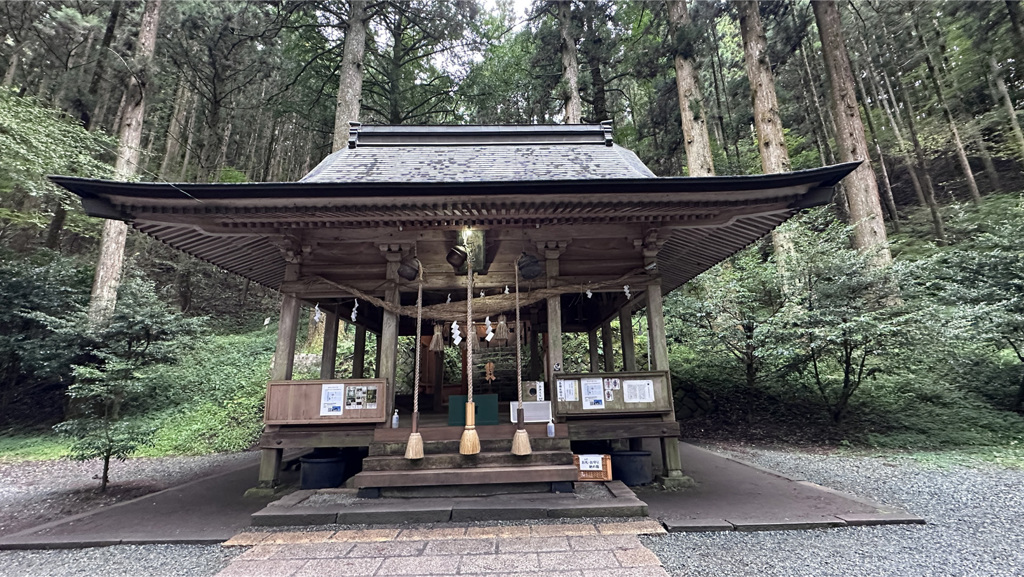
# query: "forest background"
914 340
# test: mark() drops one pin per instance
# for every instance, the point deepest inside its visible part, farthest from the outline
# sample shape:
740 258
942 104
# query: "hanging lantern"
501 332
437 341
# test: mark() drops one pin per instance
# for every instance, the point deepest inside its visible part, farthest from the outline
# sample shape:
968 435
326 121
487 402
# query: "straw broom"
521 440
469 444
414 447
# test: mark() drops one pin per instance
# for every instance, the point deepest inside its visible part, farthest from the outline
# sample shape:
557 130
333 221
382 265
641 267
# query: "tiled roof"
478 154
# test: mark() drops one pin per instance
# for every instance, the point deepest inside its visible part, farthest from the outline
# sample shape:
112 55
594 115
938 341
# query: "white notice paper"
591 463
567 390
638 391
593 393
332 397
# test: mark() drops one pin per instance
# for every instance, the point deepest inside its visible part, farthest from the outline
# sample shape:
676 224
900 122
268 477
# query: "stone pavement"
558 550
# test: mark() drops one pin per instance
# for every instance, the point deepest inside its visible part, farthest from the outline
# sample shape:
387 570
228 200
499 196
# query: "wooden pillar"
626 330
359 354
330 353
387 344
551 253
656 328
376 358
595 357
608 347
673 471
284 357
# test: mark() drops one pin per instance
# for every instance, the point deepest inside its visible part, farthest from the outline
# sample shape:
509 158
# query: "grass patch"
1008 456
17 447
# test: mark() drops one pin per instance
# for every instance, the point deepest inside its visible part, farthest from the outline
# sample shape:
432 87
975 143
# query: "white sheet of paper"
591 463
593 393
567 390
638 391
332 399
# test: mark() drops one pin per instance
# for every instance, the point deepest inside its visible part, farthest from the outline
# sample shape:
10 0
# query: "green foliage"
35 358
918 354
26 446
219 388
113 379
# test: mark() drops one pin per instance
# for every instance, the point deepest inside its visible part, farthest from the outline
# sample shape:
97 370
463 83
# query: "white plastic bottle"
551 428
394 420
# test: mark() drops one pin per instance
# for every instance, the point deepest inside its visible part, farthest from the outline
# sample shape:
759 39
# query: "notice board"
326 401
626 393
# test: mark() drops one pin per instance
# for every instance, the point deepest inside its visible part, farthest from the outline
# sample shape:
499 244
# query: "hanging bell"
501 332
457 257
409 268
529 267
437 341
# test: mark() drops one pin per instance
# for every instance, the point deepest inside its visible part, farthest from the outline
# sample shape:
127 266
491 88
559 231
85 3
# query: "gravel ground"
121 561
34 492
973 527
974 524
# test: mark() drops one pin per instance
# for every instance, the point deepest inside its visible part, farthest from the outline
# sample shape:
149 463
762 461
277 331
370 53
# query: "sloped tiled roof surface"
478 154
478 163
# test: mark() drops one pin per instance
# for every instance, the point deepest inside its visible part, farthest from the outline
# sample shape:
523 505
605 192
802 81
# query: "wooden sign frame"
614 388
300 402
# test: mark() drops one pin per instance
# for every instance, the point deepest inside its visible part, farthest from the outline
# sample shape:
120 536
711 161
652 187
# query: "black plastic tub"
632 467
321 471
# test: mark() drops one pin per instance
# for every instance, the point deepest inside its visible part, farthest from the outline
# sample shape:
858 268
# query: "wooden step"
384 449
474 476
456 461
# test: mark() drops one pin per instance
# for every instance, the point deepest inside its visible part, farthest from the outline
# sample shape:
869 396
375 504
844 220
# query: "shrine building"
468 221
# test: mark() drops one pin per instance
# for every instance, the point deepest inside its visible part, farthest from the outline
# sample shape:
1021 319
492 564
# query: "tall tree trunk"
925 166
111 258
190 142
890 202
923 163
592 49
1017 23
961 154
350 84
1004 96
699 161
986 161
101 61
861 186
570 65
724 108
767 121
12 66
174 129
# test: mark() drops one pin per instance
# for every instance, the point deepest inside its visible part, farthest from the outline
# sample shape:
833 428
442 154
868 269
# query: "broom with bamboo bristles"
414 447
469 444
521 440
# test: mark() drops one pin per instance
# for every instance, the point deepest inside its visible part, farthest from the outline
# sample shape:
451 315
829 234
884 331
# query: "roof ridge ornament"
606 127
353 133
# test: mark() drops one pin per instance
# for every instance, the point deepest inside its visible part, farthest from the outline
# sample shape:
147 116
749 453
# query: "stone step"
456 461
385 449
475 476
